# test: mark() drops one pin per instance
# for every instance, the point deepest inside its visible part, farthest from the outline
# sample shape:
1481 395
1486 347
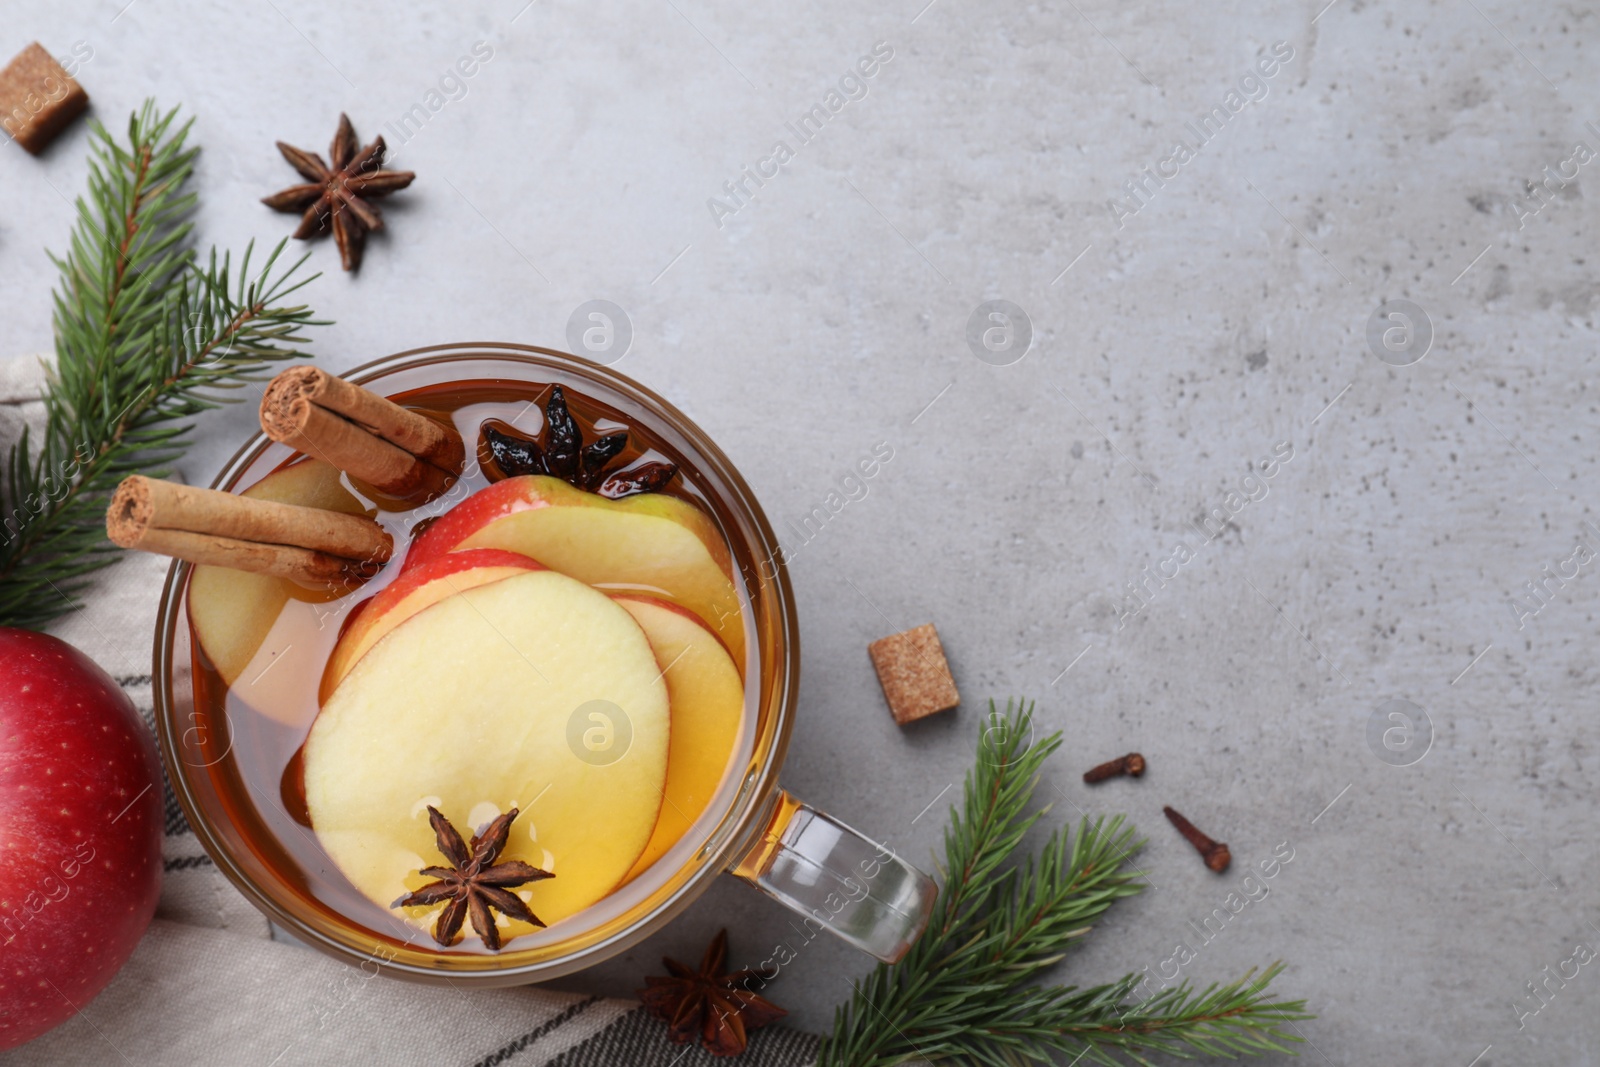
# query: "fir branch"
967 992
146 337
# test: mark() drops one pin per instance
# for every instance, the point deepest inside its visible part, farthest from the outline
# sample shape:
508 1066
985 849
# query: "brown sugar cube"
915 677
38 98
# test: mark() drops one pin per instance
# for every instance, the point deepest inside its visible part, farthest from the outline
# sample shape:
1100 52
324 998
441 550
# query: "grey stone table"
1201 217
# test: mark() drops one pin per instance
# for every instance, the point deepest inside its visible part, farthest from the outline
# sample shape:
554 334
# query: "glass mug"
811 863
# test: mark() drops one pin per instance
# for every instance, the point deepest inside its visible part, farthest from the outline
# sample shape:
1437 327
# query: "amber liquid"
257 728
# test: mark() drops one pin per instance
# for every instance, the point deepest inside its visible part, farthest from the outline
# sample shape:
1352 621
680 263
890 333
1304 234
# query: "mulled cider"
527 698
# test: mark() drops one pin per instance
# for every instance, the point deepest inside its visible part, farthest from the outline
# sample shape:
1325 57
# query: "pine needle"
146 338
968 991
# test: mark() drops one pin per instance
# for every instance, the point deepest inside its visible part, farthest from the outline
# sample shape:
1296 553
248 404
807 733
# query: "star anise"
474 883
564 455
718 1008
337 196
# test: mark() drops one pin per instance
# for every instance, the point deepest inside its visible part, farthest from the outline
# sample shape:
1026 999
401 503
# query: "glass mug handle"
836 877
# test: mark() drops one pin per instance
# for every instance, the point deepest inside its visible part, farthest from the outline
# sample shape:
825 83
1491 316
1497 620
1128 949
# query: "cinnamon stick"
392 449
312 546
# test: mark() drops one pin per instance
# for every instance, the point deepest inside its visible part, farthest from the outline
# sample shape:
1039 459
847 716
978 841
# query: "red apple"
80 832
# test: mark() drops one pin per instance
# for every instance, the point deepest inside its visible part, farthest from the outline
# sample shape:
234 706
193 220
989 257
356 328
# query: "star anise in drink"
720 1009
337 196
474 882
564 455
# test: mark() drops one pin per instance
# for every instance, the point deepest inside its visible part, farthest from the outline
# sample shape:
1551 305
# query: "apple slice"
232 612
652 544
707 697
408 594
535 692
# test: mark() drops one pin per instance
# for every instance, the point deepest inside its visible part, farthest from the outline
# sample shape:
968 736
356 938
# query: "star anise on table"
336 197
718 1008
474 882
564 455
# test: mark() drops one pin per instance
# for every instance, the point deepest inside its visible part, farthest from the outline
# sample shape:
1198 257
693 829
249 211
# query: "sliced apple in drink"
707 697
535 692
413 591
232 612
652 544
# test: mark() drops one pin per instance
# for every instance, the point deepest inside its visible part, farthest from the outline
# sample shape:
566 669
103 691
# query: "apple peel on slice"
412 592
650 543
232 612
707 697
535 692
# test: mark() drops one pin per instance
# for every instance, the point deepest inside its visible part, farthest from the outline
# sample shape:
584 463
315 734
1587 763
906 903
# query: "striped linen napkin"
213 983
